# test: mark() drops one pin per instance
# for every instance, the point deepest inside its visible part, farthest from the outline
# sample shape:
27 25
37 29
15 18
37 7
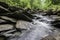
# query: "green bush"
34 4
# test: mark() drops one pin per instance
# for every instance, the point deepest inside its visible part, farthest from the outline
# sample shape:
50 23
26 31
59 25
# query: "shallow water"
40 29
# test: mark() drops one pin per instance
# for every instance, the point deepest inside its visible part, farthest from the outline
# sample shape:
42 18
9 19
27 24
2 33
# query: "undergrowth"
35 4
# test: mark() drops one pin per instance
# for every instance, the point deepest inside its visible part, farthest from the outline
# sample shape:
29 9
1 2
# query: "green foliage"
56 2
34 4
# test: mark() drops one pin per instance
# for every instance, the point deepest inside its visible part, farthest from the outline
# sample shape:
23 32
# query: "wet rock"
48 38
23 25
38 18
3 4
6 27
27 17
8 19
56 23
9 33
1 21
3 10
57 36
28 10
3 37
13 8
57 12
55 16
42 13
12 35
19 16
28 14
49 12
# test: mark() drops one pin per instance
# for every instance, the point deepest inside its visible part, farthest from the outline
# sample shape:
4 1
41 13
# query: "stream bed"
40 29
26 24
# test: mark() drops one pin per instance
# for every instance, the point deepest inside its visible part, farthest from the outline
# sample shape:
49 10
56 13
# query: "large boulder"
23 25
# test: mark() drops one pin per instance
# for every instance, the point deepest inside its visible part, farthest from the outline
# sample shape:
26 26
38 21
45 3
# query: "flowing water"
41 28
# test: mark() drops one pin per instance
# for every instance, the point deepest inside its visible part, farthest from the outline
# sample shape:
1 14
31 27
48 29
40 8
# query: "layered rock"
6 27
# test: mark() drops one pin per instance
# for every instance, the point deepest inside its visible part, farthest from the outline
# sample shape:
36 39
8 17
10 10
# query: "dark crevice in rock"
4 5
2 37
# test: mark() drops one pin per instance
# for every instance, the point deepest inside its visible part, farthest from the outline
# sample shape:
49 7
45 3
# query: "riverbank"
13 18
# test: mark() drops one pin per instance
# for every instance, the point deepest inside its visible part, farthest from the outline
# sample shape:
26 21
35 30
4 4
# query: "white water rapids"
40 28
